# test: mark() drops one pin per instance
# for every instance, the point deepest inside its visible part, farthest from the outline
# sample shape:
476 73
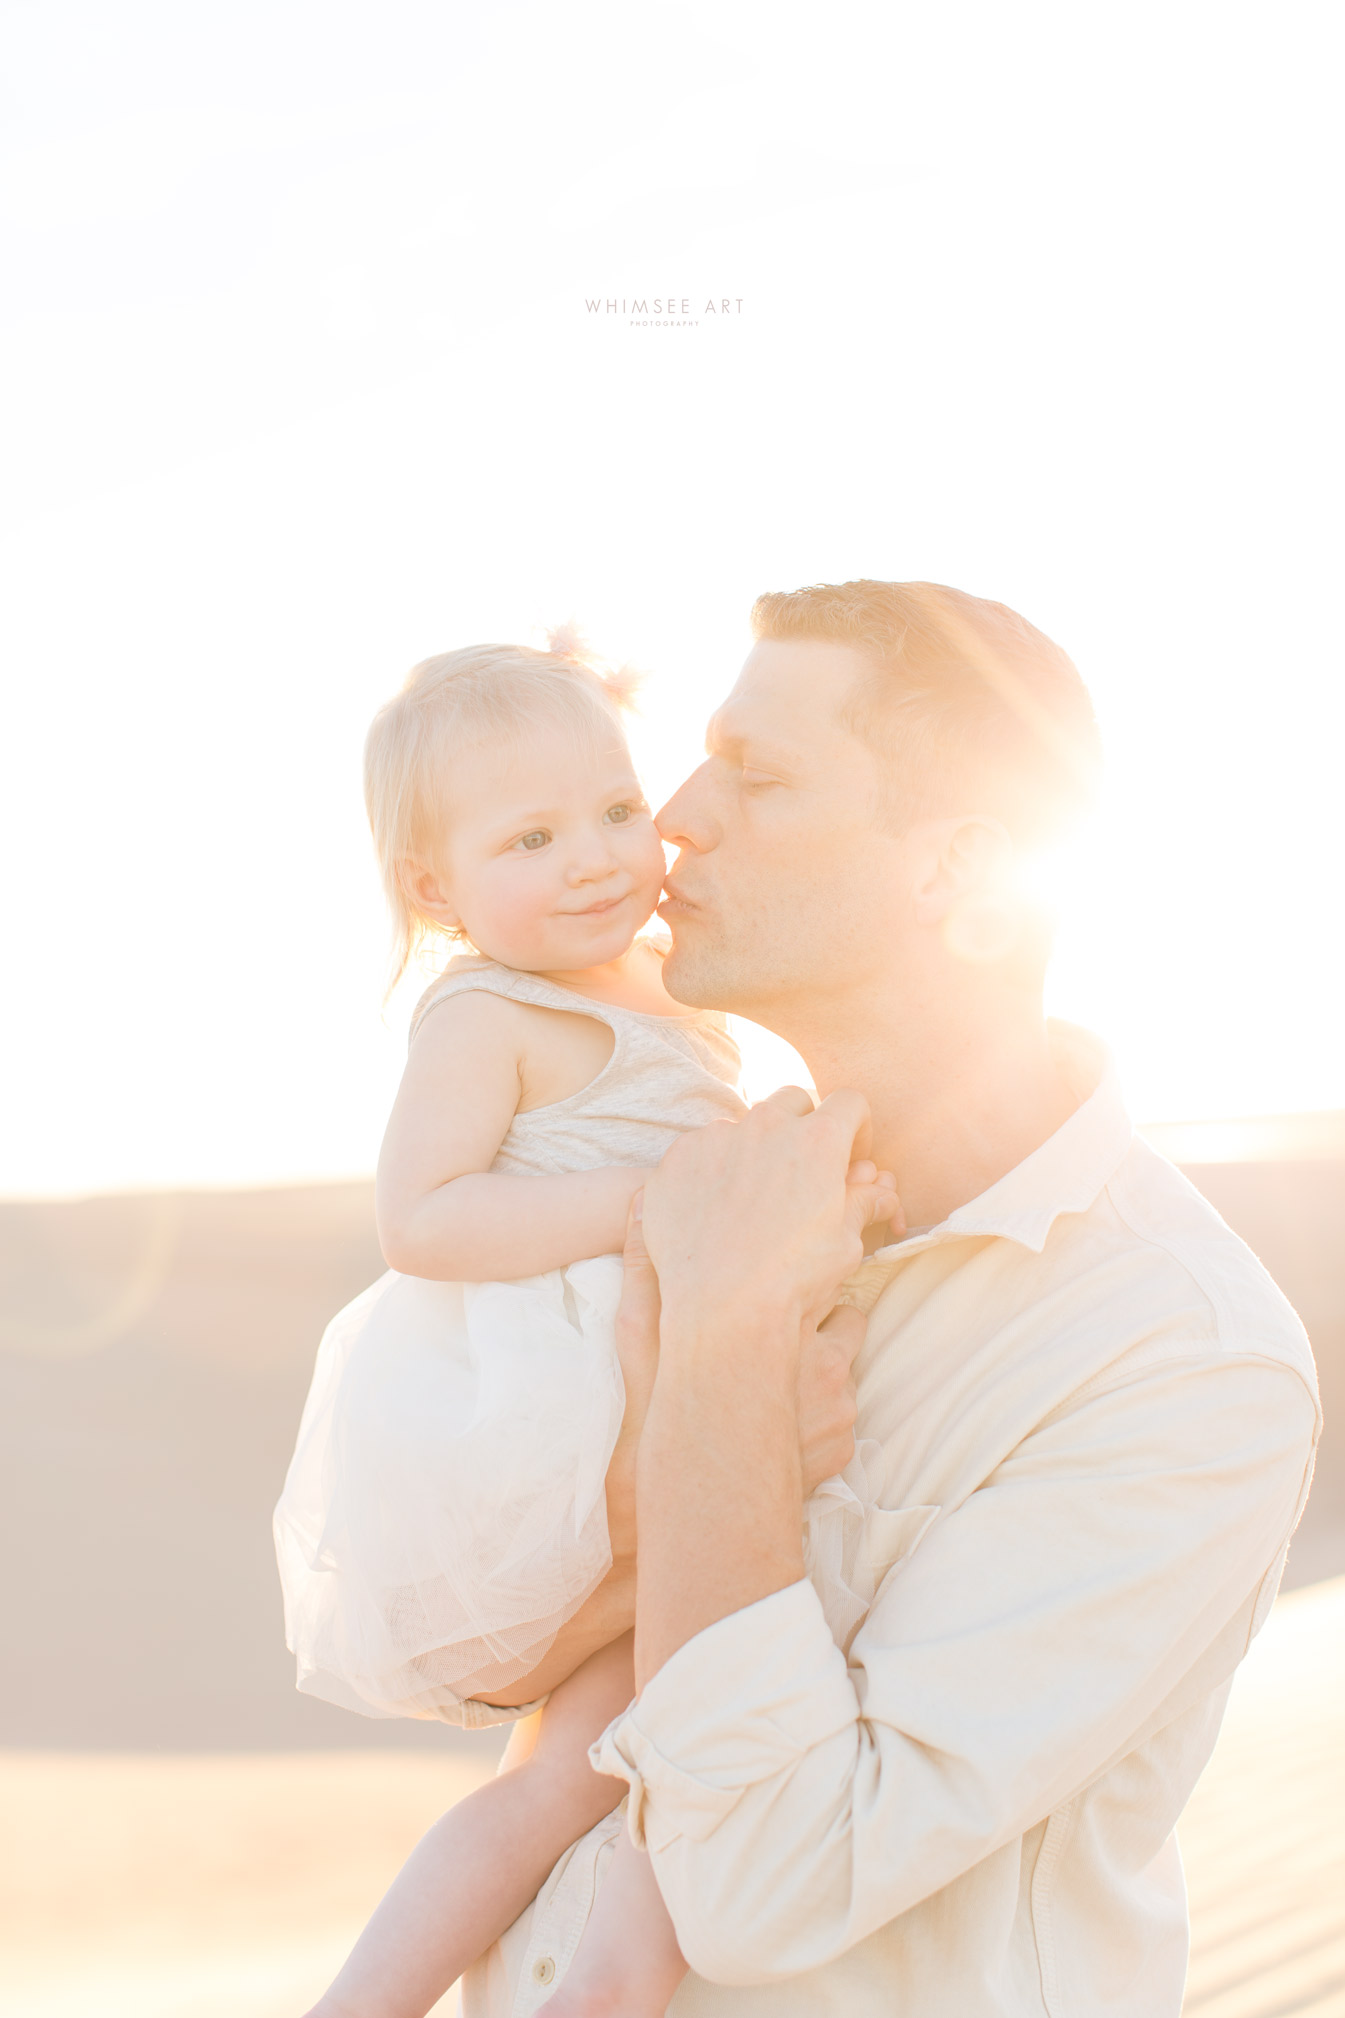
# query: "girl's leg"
471 1876
628 1963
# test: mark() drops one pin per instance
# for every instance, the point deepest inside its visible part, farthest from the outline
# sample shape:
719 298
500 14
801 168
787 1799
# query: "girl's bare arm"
441 1211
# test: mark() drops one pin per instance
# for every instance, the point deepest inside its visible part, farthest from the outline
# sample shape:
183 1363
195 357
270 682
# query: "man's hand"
637 1322
765 1215
752 1227
826 1389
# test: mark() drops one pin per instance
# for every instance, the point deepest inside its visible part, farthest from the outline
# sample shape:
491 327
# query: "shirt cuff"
734 1706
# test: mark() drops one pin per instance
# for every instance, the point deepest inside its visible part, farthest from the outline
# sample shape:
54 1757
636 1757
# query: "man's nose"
687 821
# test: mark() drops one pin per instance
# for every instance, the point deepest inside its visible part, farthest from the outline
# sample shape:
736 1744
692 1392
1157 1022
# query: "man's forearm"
752 1229
720 1493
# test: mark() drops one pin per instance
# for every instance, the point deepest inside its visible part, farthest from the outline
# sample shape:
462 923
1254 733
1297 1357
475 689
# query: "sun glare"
312 413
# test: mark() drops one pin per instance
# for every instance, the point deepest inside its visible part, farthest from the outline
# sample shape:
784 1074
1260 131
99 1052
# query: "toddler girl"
444 1514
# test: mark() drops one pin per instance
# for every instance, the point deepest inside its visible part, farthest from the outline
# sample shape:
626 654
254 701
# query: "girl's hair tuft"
568 642
624 686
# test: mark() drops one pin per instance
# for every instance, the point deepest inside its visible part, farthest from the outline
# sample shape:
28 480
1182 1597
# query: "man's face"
784 881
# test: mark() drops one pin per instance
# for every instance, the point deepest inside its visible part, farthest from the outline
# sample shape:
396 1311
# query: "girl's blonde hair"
453 703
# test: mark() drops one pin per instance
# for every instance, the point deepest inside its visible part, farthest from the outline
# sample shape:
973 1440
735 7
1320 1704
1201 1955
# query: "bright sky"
1037 300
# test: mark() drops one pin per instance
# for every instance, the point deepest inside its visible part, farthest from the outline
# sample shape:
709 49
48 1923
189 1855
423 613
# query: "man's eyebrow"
718 736
724 739
725 732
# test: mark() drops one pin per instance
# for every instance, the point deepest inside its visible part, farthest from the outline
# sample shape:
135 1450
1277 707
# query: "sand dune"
189 1838
200 1887
158 1352
231 1887
154 1354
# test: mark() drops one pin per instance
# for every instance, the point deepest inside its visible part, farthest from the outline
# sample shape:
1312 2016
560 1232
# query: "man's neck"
960 1093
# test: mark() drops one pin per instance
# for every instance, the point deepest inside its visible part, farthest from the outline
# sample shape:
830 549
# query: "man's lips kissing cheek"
676 903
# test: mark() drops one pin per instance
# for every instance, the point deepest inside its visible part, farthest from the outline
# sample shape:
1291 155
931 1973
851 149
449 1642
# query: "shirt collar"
1066 1174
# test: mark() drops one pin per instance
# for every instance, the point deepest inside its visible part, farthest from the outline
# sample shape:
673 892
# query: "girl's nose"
591 862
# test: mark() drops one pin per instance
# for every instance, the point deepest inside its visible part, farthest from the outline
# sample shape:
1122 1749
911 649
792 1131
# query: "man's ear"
967 890
957 859
427 890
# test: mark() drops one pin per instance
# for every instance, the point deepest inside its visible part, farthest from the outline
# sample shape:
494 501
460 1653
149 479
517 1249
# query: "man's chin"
689 977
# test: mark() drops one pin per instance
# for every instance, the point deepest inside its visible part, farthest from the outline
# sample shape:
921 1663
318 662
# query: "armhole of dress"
471 984
719 1041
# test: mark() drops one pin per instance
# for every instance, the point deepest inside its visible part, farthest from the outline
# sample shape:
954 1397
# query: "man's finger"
637 1320
848 1112
634 1253
639 1290
791 1100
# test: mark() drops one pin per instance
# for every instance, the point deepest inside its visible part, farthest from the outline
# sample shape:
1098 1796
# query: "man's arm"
824 1430
752 1228
793 1804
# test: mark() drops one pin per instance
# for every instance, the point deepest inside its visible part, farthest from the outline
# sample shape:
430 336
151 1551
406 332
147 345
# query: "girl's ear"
427 891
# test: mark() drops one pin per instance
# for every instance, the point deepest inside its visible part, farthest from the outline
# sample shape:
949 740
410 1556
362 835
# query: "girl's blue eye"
538 838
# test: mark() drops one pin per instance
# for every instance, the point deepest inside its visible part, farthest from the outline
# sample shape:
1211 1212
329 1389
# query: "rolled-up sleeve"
1109 1567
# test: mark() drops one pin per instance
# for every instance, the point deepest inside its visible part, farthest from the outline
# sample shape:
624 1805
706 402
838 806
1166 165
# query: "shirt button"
543 1969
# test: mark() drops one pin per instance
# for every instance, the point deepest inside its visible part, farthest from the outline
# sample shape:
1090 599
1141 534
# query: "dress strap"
471 974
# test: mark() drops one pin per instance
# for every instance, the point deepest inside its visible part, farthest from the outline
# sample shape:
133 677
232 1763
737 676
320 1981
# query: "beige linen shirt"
1088 1420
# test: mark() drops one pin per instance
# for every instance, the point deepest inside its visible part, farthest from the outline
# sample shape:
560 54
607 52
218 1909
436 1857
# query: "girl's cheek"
527 905
511 904
649 864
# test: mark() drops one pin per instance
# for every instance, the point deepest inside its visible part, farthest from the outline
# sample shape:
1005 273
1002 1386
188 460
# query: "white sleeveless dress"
444 1511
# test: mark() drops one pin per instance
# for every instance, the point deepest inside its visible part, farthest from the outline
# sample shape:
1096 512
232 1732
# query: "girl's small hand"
877 1191
826 1400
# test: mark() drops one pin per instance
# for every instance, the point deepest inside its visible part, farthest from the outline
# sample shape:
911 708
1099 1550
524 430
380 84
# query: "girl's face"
552 861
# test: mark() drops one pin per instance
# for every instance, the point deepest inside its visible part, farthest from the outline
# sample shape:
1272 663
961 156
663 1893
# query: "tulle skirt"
444 1512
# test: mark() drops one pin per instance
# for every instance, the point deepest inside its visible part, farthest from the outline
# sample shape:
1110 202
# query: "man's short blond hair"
971 708
449 706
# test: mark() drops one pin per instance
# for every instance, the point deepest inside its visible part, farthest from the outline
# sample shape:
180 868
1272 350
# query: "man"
1085 1416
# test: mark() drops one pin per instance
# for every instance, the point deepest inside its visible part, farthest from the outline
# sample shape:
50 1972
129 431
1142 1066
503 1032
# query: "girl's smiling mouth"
597 910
